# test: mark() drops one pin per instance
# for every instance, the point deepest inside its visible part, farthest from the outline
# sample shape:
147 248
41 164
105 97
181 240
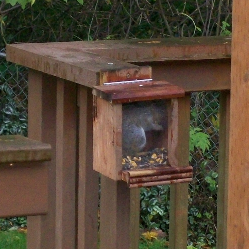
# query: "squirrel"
139 118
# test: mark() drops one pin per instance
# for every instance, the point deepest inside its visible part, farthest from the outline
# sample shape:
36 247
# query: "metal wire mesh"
14 97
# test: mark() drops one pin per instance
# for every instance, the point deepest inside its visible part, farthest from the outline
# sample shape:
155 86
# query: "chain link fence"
14 97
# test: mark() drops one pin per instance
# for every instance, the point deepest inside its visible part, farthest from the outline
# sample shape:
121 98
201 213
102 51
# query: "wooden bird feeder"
130 133
23 176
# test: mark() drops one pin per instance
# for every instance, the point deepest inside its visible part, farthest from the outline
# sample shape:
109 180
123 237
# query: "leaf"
80 1
198 139
150 235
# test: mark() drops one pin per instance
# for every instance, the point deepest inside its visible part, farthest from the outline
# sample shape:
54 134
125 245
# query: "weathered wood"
134 218
107 139
81 62
156 183
204 75
16 148
163 170
178 155
114 214
224 115
24 189
42 127
66 137
238 177
133 73
88 179
159 179
141 91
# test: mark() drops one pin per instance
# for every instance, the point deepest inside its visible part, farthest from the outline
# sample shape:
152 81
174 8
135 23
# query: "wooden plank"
84 68
238 177
66 126
80 61
88 179
134 73
42 127
134 218
114 215
204 75
141 91
133 50
178 155
107 139
16 148
24 189
223 170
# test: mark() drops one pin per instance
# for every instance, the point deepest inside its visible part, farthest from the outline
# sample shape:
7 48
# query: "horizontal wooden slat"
24 189
84 62
16 148
148 90
157 176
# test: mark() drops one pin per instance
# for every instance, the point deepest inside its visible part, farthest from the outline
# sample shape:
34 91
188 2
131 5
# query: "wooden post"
114 214
88 179
223 170
52 119
66 127
238 175
41 126
178 155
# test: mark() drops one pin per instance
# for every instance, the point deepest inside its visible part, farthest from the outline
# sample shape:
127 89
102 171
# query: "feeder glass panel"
144 135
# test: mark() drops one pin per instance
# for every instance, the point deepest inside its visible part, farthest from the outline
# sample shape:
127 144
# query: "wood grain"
66 139
238 176
16 148
83 62
107 139
88 179
148 90
178 155
42 127
222 202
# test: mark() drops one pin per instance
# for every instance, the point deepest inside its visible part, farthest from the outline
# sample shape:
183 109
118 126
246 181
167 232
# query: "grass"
155 244
17 240
12 240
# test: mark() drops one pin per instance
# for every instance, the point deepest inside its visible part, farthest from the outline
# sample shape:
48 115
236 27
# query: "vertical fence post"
66 124
238 172
88 179
223 170
41 126
178 155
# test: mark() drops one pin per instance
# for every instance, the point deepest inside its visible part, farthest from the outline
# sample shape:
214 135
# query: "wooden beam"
16 148
238 175
178 155
114 215
88 179
42 127
66 140
224 115
193 60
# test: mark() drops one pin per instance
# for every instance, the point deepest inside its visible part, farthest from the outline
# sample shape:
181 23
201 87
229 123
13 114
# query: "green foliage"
225 29
8 223
156 244
24 3
198 140
155 207
202 207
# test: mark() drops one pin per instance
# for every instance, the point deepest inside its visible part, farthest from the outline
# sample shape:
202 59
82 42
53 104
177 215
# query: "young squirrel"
138 118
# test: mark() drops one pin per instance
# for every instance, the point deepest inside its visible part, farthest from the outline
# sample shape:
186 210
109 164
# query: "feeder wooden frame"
107 132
